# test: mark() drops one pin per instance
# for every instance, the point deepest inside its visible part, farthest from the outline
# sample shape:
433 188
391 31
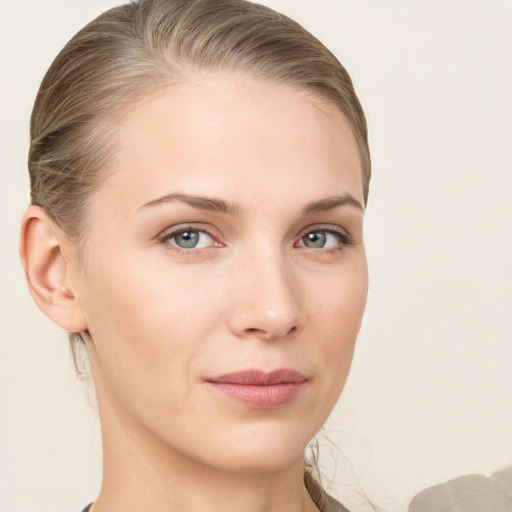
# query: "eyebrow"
330 203
203 203
214 204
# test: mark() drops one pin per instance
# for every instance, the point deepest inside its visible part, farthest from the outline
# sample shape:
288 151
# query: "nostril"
268 335
258 332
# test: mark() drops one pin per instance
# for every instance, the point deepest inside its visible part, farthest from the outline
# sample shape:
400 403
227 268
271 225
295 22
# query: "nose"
266 300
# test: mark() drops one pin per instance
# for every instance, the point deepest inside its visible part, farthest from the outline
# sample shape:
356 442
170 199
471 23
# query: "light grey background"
430 394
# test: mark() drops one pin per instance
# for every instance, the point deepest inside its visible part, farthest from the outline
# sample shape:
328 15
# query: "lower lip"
260 397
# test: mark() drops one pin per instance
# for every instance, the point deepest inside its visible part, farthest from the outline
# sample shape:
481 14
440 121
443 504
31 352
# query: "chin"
264 459
263 449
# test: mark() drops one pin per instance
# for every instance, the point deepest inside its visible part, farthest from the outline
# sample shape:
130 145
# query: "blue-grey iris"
187 239
315 240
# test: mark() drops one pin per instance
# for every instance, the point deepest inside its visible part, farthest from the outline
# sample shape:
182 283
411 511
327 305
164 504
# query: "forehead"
223 133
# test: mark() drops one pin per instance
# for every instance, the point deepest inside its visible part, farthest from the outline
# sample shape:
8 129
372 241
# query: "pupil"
316 240
187 239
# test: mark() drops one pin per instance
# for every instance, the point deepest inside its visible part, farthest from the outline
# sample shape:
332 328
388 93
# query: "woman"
199 173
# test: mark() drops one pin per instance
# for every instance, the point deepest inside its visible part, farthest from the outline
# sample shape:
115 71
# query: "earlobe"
47 272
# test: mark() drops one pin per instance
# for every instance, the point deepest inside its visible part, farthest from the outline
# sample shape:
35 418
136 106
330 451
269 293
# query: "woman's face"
225 278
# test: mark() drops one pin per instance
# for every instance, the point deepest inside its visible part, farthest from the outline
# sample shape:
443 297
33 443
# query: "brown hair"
142 47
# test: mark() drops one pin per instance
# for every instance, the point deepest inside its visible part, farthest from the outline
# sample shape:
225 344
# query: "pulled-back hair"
141 48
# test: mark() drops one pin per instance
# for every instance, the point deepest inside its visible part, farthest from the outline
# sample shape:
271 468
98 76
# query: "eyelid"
346 238
171 231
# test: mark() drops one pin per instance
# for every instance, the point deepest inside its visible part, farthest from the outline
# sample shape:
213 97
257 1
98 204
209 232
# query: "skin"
253 294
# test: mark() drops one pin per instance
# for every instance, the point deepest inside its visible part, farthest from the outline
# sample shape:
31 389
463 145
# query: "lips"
258 389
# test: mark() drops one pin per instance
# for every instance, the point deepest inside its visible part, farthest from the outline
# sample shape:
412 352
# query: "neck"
141 473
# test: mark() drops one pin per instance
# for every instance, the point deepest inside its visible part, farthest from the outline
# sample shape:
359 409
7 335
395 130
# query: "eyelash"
344 238
167 235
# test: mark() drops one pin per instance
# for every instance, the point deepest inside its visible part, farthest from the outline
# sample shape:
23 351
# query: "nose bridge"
267 302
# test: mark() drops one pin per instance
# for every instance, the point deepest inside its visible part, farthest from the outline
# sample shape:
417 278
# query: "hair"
141 48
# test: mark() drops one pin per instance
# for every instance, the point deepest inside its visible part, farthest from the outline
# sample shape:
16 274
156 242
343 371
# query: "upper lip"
260 377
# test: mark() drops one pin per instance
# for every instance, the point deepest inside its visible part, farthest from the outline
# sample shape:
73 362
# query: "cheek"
151 322
141 294
338 303
335 315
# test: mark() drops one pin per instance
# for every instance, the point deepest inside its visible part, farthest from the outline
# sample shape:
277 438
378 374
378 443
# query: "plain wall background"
430 394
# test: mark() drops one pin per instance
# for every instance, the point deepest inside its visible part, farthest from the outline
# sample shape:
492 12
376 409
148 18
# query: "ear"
49 276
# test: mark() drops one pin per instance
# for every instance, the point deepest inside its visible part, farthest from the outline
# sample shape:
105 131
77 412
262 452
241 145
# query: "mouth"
258 389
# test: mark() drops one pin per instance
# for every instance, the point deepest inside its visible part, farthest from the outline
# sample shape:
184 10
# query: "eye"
325 239
188 238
